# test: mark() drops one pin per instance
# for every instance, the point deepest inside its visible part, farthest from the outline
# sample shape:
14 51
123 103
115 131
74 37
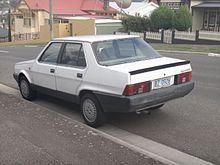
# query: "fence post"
145 35
197 36
173 37
162 35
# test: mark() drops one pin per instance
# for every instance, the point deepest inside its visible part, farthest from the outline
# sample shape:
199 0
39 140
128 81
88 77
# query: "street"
190 124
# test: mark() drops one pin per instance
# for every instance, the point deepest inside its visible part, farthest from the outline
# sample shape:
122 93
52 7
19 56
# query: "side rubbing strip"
159 67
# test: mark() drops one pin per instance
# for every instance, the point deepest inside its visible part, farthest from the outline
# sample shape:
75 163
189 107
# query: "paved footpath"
31 134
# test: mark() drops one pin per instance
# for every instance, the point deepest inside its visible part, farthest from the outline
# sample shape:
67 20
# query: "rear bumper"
116 103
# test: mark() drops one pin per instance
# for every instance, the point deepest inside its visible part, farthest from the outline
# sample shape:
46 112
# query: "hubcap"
24 88
89 110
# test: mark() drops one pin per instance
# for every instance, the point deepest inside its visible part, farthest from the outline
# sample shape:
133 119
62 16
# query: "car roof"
95 38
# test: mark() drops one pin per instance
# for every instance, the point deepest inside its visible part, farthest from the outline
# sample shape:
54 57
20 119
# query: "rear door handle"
79 75
52 70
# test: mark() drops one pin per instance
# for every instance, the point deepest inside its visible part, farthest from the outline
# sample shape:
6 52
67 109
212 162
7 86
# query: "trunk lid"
153 69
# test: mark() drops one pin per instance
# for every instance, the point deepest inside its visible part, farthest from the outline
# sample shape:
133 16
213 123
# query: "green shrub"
162 18
182 20
136 24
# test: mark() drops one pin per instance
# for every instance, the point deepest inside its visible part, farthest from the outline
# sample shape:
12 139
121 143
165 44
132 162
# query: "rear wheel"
92 111
25 89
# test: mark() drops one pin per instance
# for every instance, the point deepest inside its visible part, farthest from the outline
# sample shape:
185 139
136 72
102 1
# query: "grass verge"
26 42
190 48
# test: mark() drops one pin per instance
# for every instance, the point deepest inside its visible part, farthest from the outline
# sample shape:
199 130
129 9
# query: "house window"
211 20
19 16
205 20
27 18
46 22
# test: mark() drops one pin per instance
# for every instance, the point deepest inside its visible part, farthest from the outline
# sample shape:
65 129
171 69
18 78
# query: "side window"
51 53
73 55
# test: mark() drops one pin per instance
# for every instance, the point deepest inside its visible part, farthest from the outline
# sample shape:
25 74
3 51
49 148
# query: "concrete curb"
157 151
213 55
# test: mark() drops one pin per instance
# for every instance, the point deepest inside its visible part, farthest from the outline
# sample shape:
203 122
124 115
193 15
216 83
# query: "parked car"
106 73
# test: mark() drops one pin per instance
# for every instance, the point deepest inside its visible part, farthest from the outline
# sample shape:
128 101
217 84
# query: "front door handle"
79 75
52 70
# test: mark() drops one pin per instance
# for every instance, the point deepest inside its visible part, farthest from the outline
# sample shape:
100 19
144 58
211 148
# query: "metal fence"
167 37
25 36
209 35
137 33
3 39
153 35
185 35
177 37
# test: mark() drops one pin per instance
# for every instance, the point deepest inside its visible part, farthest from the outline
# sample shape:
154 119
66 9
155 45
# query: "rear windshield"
114 52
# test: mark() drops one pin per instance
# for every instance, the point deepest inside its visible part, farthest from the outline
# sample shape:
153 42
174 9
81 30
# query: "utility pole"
9 25
51 19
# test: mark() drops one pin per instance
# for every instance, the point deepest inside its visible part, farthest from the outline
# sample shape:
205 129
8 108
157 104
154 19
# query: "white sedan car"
106 73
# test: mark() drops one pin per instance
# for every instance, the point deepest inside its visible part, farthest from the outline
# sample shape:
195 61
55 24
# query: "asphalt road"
190 124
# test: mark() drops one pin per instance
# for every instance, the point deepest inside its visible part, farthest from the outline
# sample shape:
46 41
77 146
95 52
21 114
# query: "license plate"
163 82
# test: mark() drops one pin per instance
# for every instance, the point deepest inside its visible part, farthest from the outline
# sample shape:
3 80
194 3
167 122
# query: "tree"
136 24
182 20
162 18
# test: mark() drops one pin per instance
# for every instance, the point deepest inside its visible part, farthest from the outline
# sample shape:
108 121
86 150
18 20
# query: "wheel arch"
24 74
83 92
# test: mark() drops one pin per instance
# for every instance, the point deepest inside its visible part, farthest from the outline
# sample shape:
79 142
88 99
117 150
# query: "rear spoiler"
159 67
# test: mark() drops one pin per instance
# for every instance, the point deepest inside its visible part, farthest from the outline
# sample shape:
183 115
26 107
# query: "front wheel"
92 111
25 89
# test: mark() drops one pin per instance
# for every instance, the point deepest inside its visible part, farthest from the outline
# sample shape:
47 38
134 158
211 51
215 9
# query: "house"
30 15
143 8
206 14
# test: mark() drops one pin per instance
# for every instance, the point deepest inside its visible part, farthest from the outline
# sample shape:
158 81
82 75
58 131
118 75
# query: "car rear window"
114 52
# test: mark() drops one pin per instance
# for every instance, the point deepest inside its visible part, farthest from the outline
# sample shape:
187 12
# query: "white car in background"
106 73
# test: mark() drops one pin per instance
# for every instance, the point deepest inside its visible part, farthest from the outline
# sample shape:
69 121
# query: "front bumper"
116 103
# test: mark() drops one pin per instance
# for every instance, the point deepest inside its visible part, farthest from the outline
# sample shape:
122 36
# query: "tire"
25 89
92 111
156 107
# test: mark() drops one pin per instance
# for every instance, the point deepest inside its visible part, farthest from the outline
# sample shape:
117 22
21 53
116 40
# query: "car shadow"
60 106
121 120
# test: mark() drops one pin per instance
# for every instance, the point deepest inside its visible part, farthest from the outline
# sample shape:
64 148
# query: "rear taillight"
134 89
183 77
